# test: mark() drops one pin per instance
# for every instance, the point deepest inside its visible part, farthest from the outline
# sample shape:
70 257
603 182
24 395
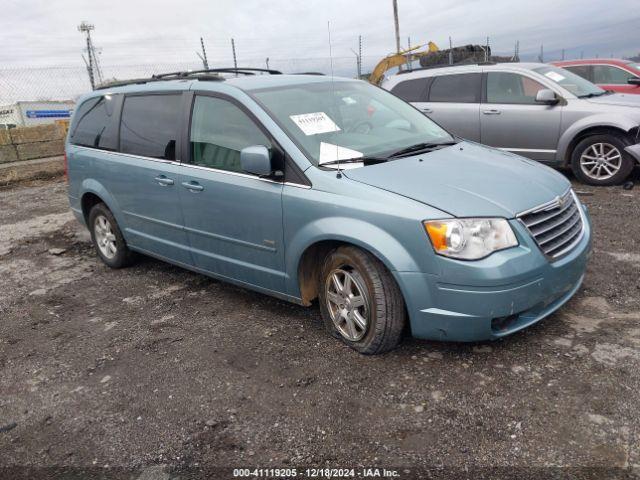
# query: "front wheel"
601 160
360 301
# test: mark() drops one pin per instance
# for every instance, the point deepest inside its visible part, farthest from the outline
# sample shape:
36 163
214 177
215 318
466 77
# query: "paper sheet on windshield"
314 123
555 76
330 152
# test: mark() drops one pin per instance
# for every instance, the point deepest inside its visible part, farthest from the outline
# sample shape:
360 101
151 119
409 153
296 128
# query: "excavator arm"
398 59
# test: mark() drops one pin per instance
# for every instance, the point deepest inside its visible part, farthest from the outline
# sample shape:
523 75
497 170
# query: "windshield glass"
635 66
347 120
577 85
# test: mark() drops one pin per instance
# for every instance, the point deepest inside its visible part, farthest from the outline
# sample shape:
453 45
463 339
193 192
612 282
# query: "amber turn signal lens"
438 234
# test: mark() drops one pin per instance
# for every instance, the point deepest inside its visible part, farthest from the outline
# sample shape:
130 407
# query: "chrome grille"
556 226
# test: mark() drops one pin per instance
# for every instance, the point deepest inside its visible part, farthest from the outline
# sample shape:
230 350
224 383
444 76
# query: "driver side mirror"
546 96
634 81
256 160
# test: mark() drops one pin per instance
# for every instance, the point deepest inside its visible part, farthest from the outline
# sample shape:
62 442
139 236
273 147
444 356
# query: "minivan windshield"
577 85
343 120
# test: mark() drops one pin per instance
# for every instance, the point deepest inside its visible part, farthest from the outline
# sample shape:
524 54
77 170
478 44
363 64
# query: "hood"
467 180
618 99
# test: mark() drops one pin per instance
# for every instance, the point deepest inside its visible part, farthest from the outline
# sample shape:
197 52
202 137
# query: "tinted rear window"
149 125
581 70
411 90
460 88
93 124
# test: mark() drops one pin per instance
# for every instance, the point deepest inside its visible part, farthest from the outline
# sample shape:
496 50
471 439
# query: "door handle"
164 181
426 110
193 186
492 111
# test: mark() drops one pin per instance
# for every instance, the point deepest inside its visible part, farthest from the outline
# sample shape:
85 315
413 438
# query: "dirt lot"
156 372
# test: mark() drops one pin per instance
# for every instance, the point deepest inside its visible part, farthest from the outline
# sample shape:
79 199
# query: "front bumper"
496 296
634 151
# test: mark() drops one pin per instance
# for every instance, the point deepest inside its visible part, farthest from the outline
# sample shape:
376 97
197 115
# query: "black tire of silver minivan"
360 301
601 160
107 238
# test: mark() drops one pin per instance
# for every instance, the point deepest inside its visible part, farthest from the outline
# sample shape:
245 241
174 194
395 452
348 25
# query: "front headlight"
470 238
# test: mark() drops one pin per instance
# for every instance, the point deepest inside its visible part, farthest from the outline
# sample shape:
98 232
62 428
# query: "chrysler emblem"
560 201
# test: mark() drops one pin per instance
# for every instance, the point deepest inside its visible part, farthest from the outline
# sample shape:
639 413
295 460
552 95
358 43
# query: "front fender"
612 120
367 236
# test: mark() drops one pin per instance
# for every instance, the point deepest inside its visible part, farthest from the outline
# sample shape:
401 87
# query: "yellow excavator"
398 59
432 56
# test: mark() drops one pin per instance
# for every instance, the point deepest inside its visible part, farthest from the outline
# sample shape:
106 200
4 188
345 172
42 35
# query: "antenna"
333 96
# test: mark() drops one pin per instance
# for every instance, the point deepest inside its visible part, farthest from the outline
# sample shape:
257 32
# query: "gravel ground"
156 372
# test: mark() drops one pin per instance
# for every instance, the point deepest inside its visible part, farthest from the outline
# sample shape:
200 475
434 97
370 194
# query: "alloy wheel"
601 161
105 238
347 302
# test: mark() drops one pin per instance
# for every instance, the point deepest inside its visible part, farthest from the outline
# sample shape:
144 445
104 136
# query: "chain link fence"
69 82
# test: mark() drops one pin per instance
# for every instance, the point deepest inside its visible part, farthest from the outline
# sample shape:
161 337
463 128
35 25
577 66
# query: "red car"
622 76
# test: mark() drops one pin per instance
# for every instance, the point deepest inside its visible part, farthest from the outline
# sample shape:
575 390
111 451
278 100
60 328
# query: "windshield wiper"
595 94
420 147
355 160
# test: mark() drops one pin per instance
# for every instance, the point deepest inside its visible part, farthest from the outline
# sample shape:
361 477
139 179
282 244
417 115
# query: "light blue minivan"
309 187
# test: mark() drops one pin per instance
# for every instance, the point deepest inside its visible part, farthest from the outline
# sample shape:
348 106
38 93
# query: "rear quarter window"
94 124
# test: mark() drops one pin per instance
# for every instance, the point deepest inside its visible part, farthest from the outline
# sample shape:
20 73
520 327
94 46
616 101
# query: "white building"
27 114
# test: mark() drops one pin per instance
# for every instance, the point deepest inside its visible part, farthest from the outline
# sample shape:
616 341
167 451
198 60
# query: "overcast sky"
44 32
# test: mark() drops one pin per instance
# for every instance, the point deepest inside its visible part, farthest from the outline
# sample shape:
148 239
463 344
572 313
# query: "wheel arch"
305 258
602 124
92 193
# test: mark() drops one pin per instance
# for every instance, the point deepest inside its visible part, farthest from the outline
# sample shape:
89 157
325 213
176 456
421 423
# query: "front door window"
503 87
219 131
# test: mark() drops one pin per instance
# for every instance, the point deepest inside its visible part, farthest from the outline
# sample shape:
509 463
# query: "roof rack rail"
308 73
208 74
445 65
241 70
163 77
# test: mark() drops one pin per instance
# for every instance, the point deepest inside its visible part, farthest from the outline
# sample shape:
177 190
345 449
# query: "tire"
382 303
589 152
104 229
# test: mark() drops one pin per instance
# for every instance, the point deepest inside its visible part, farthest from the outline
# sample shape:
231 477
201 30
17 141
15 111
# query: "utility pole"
267 62
516 52
397 27
91 61
408 47
541 56
359 57
450 52
203 57
486 52
235 59
357 62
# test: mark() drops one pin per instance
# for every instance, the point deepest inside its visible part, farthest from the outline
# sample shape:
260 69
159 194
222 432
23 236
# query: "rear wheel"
107 238
601 160
360 301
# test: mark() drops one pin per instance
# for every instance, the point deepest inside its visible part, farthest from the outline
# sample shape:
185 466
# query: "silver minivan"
536 110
